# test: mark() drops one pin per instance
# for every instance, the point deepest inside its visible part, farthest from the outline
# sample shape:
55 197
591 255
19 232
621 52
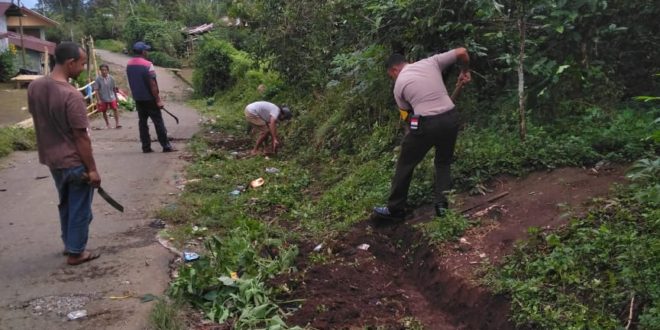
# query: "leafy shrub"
161 35
111 45
164 60
246 91
218 65
7 65
210 285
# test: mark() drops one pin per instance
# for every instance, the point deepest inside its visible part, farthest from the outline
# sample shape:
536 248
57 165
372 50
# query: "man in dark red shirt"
60 122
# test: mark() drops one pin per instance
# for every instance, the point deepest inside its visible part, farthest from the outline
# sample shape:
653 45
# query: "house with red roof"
33 38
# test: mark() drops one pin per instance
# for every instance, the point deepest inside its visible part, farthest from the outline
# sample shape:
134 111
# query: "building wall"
31 31
4 43
28 21
33 61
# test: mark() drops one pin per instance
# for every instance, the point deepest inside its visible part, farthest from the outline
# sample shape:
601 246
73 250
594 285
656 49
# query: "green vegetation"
164 60
219 64
322 201
166 315
587 275
111 45
553 85
16 139
7 66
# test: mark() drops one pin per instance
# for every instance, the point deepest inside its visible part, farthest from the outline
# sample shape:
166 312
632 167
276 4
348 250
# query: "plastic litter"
272 170
233 275
363 247
257 183
190 256
77 314
318 247
158 224
235 192
148 297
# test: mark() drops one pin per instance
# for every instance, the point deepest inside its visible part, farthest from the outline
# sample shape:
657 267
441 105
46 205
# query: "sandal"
82 258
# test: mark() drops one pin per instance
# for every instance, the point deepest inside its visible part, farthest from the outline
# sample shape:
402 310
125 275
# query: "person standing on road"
60 120
144 87
106 95
433 122
263 116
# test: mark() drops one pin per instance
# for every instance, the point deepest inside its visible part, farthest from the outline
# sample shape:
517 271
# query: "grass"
111 45
166 315
16 139
585 276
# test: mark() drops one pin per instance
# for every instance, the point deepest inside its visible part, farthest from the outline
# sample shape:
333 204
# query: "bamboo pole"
46 62
96 67
96 70
20 27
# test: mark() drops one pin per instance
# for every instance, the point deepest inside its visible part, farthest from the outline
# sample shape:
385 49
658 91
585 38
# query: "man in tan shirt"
433 123
60 122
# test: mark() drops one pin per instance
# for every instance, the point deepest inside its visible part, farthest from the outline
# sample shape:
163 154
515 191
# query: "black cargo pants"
439 131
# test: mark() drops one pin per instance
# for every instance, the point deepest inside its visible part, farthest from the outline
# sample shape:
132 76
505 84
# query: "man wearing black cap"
144 87
263 116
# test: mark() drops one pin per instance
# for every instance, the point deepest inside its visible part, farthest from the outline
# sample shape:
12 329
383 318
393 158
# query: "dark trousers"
146 110
438 131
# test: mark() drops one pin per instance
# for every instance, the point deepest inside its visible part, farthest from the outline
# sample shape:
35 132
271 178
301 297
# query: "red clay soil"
401 281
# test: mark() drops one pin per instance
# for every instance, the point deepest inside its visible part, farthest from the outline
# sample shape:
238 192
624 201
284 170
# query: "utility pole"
20 30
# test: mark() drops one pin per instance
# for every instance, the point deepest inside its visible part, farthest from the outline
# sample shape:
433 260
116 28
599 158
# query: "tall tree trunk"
521 75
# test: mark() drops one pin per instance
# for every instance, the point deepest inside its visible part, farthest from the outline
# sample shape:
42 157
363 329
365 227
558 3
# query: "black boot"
441 209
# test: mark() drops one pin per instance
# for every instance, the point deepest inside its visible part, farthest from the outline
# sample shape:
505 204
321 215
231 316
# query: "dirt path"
38 289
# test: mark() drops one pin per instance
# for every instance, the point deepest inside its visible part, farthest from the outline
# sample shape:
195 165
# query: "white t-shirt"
265 110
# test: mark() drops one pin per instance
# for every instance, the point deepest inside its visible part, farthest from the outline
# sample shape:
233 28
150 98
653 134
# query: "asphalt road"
37 287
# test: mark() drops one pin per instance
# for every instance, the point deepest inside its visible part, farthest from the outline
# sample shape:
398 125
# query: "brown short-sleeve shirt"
57 108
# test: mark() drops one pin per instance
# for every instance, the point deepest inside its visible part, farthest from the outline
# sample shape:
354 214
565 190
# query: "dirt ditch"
389 276
402 281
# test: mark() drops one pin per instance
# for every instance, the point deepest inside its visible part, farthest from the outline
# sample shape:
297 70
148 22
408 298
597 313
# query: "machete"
110 200
173 116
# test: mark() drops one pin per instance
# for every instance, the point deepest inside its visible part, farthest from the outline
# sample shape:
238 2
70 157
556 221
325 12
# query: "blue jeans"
75 207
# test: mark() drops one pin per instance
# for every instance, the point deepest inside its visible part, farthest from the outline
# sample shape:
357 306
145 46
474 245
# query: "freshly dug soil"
401 281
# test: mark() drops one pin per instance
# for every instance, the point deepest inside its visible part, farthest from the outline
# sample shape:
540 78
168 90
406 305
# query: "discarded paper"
77 314
272 170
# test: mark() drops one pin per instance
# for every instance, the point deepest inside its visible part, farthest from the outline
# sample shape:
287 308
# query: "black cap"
286 112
